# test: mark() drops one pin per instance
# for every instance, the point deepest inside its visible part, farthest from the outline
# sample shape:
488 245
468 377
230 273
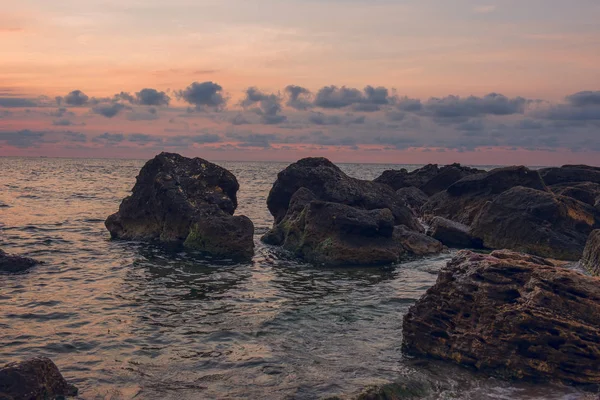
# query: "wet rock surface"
179 200
413 197
570 174
591 254
586 192
13 264
536 222
34 379
453 234
510 315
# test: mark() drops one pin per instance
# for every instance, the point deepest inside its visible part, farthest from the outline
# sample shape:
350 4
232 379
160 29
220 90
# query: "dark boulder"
463 200
413 197
189 201
512 316
11 263
586 192
570 174
416 243
591 254
330 184
430 179
453 234
34 379
536 222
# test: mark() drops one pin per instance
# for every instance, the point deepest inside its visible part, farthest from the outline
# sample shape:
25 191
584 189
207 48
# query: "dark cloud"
395 116
370 99
61 112
143 115
586 98
298 97
263 140
269 106
152 97
75 98
408 104
23 138
109 110
16 102
357 120
75 137
319 118
529 124
205 94
186 140
455 107
62 122
124 96
474 125
109 138
239 119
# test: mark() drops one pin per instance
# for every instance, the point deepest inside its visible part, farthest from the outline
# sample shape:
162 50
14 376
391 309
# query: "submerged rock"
189 201
510 315
463 200
591 254
536 222
37 378
11 263
453 234
328 183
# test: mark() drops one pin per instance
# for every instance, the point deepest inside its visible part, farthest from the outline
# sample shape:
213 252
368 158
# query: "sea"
130 320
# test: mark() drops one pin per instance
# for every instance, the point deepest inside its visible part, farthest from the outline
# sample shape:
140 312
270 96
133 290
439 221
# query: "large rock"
463 200
34 379
330 184
591 254
412 197
536 222
570 174
336 234
179 200
453 234
586 192
430 179
510 315
11 263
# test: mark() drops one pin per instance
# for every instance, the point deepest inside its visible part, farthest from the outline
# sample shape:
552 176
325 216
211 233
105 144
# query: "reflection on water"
131 320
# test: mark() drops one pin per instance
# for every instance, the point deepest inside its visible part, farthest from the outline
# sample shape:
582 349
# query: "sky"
382 81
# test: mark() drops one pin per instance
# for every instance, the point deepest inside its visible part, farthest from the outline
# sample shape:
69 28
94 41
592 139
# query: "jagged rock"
187 201
453 234
11 263
430 179
416 243
413 197
463 200
34 379
330 184
591 254
586 192
570 174
512 316
536 222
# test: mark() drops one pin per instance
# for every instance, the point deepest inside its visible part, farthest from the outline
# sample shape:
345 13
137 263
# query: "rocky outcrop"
10 263
570 174
430 179
586 192
328 183
536 222
332 219
591 254
179 200
34 379
464 199
412 197
510 315
453 234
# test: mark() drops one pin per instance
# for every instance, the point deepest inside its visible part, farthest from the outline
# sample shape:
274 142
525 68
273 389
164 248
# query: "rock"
536 222
416 243
570 174
328 183
410 389
463 200
453 234
591 254
179 200
10 263
511 316
586 192
37 378
413 197
430 179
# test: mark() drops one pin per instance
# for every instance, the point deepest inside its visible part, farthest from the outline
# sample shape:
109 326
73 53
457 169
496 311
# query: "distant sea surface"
127 320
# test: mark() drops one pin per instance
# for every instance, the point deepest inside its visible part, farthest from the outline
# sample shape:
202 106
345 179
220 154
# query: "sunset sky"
403 81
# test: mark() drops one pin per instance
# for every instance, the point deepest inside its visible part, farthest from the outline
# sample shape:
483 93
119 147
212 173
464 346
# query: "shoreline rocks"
36 378
510 315
591 254
185 201
14 264
453 234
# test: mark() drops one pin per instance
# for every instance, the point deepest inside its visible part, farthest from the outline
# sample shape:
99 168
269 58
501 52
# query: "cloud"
474 125
143 115
318 118
75 137
370 99
109 138
298 97
16 102
239 119
407 104
583 99
455 107
152 97
22 139
205 94
186 140
263 140
62 122
75 98
108 110
269 106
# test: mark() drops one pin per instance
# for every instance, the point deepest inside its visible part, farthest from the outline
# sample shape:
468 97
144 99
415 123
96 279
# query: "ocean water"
126 320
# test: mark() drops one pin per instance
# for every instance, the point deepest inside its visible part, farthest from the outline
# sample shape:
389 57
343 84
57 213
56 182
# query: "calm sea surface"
127 320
